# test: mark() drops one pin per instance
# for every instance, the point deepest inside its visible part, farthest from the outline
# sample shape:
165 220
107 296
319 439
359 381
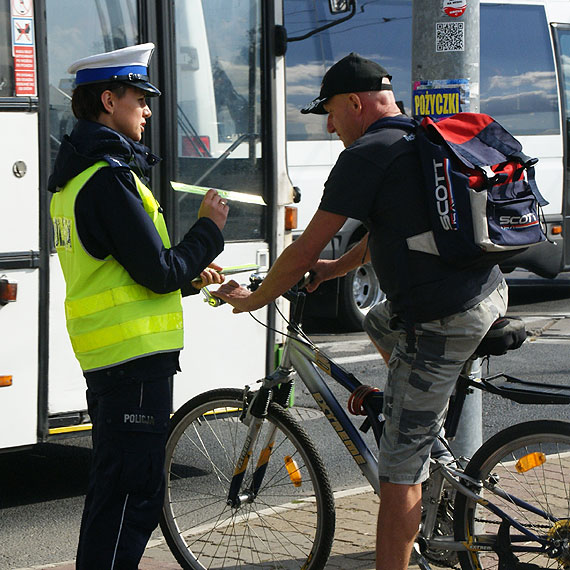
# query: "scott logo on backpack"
481 192
518 222
443 193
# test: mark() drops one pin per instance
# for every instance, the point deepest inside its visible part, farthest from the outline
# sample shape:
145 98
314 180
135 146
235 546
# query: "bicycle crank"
559 534
418 558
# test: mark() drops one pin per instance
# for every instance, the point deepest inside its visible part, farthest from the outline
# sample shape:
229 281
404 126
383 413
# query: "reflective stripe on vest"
111 318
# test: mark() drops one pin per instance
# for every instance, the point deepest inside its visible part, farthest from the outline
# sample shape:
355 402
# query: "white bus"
524 85
219 123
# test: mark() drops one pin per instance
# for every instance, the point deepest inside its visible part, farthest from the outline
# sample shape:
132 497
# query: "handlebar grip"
306 279
255 280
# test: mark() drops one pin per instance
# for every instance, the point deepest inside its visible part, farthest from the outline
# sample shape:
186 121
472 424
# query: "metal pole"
445 81
445 54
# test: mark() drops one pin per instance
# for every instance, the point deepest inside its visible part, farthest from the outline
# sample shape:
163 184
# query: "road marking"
545 335
360 358
549 340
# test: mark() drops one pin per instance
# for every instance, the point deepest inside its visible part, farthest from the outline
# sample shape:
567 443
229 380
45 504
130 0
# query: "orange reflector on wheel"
530 461
293 470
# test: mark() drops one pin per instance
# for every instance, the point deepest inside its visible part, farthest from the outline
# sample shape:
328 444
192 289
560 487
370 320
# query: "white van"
525 86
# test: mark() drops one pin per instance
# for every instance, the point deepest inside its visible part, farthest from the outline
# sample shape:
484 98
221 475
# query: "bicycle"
247 488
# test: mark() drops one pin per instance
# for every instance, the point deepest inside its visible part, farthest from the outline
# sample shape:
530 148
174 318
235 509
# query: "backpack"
483 201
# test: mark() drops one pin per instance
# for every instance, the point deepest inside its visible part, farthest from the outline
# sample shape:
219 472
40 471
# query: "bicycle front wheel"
289 523
527 462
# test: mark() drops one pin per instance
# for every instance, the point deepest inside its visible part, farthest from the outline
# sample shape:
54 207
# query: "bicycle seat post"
463 425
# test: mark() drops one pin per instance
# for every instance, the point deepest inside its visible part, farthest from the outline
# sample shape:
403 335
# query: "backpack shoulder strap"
400 122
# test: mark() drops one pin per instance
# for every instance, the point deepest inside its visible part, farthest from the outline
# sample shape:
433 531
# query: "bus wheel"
359 292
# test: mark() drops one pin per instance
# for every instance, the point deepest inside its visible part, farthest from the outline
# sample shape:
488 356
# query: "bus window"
113 25
218 47
519 92
6 61
563 35
381 31
518 88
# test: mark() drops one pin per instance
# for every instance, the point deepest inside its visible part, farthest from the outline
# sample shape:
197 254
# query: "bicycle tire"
546 486
284 527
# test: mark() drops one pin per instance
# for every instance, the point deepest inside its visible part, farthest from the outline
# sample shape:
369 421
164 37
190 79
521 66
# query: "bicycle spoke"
527 465
278 526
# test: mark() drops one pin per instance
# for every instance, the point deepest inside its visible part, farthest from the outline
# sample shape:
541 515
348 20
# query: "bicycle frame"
300 356
454 478
304 358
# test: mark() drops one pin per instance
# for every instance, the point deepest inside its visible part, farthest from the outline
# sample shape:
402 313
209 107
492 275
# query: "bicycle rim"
530 461
286 526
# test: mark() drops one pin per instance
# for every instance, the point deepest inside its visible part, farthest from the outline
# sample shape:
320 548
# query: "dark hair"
86 99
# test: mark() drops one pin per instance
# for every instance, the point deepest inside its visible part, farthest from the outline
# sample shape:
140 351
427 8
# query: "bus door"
562 41
74 30
19 218
219 144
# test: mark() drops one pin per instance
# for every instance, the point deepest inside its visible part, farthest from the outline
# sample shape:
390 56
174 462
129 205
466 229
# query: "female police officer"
123 288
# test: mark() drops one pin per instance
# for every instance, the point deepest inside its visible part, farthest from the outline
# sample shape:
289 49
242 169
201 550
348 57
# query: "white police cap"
127 65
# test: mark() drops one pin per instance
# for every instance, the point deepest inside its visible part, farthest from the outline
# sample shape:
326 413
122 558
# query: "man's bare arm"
289 267
325 269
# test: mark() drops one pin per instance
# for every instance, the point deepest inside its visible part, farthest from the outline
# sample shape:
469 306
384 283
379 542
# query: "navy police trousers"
130 419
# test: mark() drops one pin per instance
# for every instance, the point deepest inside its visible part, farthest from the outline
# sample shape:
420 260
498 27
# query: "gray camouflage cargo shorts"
421 381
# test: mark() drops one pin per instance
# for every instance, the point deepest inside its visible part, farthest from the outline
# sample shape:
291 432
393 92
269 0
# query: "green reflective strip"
226 194
107 299
116 334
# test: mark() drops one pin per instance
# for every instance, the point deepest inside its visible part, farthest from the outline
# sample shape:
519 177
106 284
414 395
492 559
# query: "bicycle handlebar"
255 280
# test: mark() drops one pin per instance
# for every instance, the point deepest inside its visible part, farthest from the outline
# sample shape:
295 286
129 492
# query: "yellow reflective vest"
110 317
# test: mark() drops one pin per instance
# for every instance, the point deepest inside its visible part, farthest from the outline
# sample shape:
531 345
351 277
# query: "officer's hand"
213 206
210 276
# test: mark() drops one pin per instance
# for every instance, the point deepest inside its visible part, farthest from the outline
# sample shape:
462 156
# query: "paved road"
545 358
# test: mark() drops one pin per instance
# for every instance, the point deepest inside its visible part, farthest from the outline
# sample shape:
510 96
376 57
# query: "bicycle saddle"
506 333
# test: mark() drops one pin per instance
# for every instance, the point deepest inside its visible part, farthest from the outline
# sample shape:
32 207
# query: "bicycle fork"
253 416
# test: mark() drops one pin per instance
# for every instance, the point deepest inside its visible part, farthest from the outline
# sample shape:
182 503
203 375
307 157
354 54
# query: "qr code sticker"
450 36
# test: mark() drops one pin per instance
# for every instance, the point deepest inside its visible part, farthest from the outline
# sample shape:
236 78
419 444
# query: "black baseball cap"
352 74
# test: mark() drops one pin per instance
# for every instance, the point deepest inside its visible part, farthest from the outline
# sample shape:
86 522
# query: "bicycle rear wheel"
287 525
530 461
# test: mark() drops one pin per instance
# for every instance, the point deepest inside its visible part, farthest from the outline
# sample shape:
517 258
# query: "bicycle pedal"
419 559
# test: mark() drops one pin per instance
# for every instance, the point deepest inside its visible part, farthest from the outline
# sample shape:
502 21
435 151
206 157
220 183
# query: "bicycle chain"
444 564
547 526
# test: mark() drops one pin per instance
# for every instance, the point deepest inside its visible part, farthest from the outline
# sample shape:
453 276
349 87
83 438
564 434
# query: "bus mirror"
340 6
336 7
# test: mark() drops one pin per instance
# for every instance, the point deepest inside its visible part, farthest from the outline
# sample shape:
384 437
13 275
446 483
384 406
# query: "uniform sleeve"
351 187
111 220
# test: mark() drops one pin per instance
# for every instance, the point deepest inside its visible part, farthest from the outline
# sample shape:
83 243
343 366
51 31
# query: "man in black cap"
434 316
123 288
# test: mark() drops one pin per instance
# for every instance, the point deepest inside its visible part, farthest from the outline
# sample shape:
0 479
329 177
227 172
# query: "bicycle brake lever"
211 299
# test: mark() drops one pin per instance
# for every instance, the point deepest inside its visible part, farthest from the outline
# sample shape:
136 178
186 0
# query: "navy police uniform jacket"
112 221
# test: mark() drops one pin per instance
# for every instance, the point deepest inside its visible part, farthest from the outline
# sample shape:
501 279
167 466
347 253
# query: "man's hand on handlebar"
323 270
